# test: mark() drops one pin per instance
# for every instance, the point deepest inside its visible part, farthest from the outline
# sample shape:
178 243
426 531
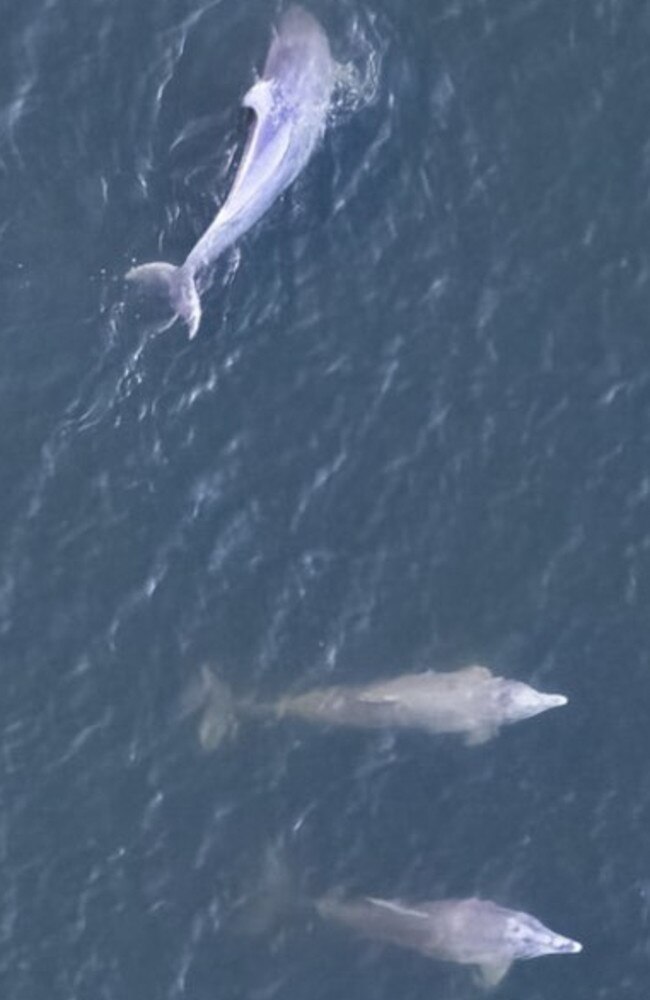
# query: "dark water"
413 431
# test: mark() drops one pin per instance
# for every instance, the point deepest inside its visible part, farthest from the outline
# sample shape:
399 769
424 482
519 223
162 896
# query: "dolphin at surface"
290 104
471 702
473 932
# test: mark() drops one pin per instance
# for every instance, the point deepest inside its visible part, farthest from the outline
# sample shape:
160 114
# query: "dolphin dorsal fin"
377 698
259 98
396 907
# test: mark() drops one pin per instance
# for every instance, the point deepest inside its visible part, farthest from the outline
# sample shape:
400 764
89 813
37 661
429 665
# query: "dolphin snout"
554 700
565 946
522 701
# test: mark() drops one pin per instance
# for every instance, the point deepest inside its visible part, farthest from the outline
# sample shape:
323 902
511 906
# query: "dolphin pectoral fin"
490 974
480 735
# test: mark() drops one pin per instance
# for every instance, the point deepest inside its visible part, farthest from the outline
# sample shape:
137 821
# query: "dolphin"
472 931
290 104
471 702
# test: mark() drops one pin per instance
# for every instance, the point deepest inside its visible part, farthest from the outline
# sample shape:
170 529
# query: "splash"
357 77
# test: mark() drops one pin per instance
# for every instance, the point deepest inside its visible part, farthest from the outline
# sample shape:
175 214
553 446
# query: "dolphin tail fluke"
173 285
275 898
211 699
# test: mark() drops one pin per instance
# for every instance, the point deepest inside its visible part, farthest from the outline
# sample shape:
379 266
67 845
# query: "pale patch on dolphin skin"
472 931
471 702
290 104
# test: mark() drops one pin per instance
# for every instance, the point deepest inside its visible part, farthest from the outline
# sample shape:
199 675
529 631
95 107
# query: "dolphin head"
300 61
529 938
519 701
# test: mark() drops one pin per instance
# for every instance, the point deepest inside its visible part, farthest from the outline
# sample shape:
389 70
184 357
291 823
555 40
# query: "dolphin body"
471 702
290 103
473 932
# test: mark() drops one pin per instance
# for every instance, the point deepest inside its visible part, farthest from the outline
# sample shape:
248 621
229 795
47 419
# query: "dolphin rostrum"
468 931
471 702
290 104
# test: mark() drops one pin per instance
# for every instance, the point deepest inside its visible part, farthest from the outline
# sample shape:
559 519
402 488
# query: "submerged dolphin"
471 702
290 103
468 931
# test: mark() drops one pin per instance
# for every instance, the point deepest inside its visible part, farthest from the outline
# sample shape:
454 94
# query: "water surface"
412 432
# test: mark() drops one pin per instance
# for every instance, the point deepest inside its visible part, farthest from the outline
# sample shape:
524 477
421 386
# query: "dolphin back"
290 104
390 921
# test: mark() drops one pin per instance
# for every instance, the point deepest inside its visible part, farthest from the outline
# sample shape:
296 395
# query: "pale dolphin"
471 702
468 931
290 103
